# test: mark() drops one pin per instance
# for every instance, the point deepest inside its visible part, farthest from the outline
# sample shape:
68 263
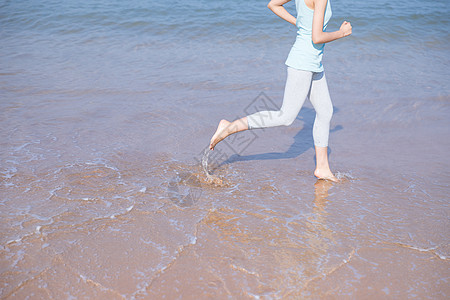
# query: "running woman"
305 79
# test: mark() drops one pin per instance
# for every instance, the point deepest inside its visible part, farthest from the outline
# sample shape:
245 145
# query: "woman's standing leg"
298 85
321 101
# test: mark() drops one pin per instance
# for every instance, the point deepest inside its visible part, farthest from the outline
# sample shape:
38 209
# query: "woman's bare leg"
322 167
226 128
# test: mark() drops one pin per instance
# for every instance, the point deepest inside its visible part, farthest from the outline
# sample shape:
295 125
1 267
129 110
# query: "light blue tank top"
305 55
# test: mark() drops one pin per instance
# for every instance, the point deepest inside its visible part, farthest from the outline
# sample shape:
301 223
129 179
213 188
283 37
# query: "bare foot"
216 137
325 174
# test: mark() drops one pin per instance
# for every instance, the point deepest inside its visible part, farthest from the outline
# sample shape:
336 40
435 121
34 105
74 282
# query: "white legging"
299 86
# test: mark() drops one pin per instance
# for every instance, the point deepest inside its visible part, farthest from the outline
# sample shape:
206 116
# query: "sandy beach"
105 114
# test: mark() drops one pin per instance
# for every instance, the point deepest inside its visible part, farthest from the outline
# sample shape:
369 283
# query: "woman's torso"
305 55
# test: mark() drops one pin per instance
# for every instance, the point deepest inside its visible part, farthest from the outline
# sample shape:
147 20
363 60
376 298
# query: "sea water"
107 107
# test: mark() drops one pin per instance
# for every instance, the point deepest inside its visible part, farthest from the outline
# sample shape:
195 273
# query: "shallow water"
106 111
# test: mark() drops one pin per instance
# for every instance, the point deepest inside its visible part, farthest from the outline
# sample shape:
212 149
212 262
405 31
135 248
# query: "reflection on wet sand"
257 240
319 240
321 188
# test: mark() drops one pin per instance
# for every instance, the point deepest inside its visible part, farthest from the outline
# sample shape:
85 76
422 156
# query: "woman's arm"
277 7
318 35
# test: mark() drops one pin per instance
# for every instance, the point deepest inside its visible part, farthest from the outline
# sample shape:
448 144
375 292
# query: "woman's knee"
287 119
326 113
329 113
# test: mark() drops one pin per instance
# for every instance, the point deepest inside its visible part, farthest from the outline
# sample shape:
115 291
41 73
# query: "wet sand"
105 115
96 209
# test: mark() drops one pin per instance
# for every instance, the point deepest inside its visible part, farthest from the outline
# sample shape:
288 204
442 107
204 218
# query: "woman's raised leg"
226 128
298 84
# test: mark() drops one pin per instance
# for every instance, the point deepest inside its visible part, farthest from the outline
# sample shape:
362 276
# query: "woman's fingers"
346 27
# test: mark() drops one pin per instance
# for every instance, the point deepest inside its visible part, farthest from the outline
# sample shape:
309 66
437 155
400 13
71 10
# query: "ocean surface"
106 108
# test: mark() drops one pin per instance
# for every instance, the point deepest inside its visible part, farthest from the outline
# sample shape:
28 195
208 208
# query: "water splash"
344 176
205 161
214 179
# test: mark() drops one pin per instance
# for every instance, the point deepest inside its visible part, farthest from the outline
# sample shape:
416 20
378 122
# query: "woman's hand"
318 35
346 28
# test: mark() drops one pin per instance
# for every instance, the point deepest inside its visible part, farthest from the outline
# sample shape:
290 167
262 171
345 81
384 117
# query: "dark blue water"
396 50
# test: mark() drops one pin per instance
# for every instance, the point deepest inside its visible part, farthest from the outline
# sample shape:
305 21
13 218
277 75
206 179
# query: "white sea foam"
344 175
